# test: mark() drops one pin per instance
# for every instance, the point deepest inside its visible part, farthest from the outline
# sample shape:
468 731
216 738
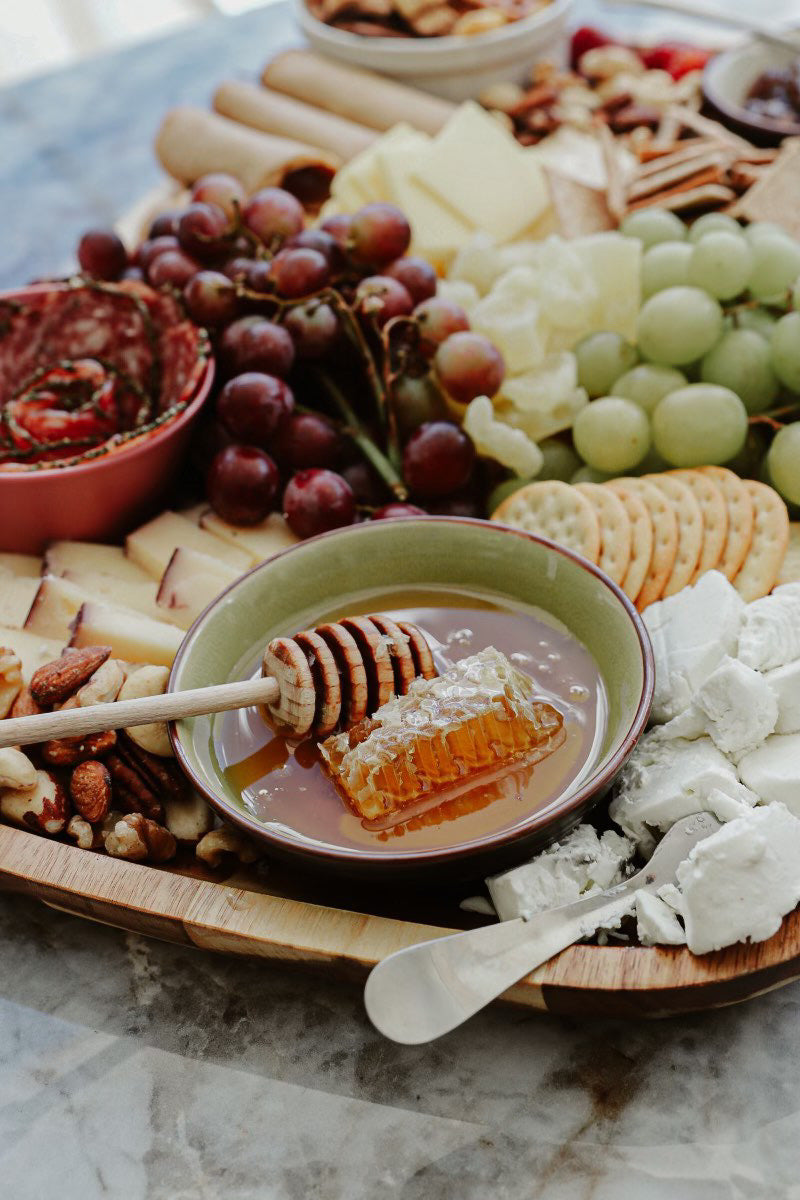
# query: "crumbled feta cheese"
785 685
663 781
773 770
739 883
739 707
691 633
671 897
656 922
583 864
477 904
770 633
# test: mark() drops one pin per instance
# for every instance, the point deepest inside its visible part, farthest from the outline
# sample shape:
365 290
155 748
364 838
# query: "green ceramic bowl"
325 576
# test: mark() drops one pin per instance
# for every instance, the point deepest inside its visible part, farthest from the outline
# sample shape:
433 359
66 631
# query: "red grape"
383 298
239 267
379 233
367 485
210 298
173 267
314 328
469 365
416 275
307 440
150 250
253 406
259 278
101 254
460 505
438 319
273 213
396 509
242 484
416 400
202 229
165 223
338 227
221 189
324 243
255 344
437 459
298 272
316 501
132 273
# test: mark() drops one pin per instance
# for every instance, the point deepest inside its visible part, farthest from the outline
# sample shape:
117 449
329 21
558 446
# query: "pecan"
132 792
90 789
212 848
56 681
135 838
10 679
165 776
25 705
45 808
68 752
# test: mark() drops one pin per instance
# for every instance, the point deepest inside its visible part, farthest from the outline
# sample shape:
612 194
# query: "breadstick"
275 113
192 142
350 92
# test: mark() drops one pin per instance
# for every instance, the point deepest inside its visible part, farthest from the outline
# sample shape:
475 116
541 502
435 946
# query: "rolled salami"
275 113
350 92
192 142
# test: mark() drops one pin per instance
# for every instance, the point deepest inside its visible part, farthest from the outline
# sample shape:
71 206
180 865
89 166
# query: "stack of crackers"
657 534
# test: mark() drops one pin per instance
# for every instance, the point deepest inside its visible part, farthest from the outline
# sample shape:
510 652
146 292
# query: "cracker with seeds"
740 518
761 568
665 535
615 530
554 510
714 512
641 543
690 531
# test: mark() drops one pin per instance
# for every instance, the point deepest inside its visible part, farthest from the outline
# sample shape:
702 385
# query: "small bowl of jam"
755 89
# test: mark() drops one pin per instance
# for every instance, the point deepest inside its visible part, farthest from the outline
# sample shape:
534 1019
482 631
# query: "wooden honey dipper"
317 681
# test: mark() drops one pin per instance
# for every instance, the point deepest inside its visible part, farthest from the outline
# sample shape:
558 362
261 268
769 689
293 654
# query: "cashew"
226 840
148 681
104 686
16 770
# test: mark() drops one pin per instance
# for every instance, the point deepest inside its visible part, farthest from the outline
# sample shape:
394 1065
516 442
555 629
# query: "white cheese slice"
583 864
657 923
664 780
691 633
785 685
739 883
770 633
773 771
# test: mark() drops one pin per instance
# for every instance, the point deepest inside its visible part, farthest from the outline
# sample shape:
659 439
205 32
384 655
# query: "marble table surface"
135 1070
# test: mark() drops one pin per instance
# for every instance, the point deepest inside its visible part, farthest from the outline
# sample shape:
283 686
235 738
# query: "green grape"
665 265
560 460
796 295
783 462
653 225
611 434
699 424
721 264
760 320
741 361
503 490
776 265
761 229
714 223
590 475
678 325
602 358
646 384
785 348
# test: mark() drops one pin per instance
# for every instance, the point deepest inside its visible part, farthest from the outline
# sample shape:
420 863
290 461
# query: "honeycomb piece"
444 734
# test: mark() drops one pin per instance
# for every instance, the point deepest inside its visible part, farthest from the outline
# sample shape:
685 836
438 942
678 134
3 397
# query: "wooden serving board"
237 918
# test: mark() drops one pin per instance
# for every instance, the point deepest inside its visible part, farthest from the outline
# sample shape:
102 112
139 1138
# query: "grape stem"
771 418
356 431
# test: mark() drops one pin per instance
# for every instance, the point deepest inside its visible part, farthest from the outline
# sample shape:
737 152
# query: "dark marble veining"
134 1070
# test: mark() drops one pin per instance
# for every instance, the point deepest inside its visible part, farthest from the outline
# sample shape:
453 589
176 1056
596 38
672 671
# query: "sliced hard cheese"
28 566
191 581
259 541
138 595
131 636
16 596
152 545
32 650
90 556
55 607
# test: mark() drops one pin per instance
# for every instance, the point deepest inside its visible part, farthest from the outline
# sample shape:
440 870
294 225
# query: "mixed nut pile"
121 791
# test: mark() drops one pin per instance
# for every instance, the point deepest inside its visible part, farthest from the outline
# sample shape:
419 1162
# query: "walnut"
90 790
45 808
10 679
16 770
135 838
215 845
86 837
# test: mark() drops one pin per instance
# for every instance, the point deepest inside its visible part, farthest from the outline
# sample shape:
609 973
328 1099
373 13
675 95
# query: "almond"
56 681
90 789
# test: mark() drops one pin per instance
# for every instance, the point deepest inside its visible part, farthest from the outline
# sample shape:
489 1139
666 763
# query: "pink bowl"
99 500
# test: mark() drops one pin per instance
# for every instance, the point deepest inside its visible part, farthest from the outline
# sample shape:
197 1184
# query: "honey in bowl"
285 785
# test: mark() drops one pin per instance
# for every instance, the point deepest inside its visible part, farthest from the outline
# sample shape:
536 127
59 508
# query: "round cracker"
690 531
740 518
641 542
761 568
554 510
665 536
615 530
714 512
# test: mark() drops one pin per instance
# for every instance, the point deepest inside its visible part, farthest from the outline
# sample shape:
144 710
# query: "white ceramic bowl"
457 68
728 78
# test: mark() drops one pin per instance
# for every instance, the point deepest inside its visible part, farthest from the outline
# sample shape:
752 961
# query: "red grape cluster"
342 371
